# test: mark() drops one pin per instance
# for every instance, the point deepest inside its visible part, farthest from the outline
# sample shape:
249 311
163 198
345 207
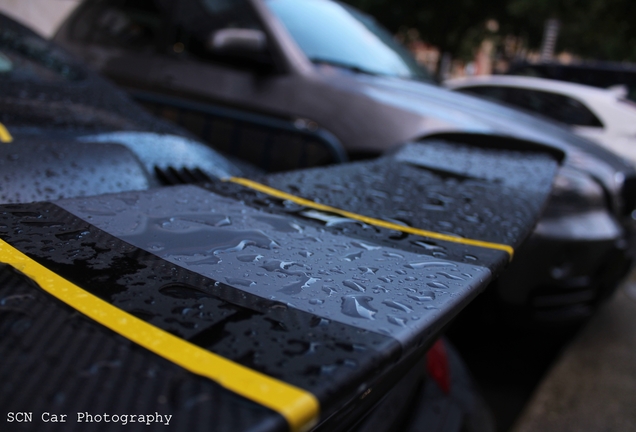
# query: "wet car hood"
252 304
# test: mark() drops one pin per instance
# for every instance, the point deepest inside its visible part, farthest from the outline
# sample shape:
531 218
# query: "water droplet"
297 286
319 322
365 246
397 305
371 270
450 276
428 246
392 255
316 301
420 265
240 282
354 285
101 365
353 256
275 265
401 322
423 297
358 307
437 285
16 298
380 288
223 222
350 363
249 258
72 235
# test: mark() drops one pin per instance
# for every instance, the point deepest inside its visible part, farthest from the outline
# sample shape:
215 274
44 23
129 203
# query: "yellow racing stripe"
5 136
368 220
297 406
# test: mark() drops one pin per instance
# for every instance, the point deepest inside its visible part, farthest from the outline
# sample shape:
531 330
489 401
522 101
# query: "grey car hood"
444 111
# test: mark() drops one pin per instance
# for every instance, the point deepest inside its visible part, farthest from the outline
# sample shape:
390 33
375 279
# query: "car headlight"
574 191
577 210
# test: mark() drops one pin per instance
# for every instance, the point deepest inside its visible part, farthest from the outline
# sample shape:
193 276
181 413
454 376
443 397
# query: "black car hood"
266 304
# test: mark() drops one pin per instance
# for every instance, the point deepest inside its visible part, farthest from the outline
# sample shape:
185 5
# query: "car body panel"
170 255
617 131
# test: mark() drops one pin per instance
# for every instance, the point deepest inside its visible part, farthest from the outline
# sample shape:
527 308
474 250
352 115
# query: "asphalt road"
592 385
581 379
507 363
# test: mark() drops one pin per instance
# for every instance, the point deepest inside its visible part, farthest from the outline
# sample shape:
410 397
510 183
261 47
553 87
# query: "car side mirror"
238 41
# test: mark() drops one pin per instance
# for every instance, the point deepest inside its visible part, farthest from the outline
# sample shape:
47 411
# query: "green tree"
455 26
602 29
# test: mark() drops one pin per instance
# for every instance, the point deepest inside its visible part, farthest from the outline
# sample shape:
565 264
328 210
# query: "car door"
190 67
226 96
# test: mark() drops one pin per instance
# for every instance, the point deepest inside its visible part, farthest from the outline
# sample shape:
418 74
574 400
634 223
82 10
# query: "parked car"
593 73
603 116
147 283
354 83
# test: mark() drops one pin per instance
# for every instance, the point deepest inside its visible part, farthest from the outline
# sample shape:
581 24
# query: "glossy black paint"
61 170
379 289
276 291
55 360
493 199
279 340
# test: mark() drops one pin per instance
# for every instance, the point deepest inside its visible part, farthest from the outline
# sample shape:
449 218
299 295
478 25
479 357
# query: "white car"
601 115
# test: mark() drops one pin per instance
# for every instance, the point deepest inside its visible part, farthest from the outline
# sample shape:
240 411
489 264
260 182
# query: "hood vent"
168 176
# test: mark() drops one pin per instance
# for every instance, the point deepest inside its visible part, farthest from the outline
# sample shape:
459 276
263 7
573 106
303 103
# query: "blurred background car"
601 74
272 58
603 116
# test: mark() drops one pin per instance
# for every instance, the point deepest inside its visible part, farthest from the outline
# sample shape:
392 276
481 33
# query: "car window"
597 76
555 106
562 108
133 25
194 21
495 93
330 32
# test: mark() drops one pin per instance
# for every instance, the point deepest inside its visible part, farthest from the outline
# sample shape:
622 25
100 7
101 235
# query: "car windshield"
333 33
